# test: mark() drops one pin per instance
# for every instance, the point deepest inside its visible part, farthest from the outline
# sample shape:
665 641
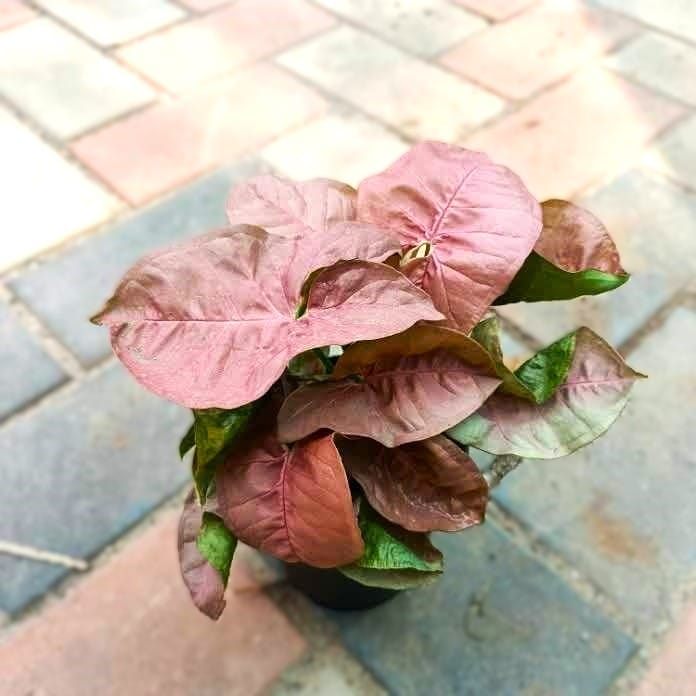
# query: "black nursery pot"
331 589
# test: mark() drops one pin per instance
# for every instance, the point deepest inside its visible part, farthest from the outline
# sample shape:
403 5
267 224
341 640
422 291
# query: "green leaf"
574 256
312 364
216 544
544 372
538 378
215 431
590 398
187 442
539 281
394 558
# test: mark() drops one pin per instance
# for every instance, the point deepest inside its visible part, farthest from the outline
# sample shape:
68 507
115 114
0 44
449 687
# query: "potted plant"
341 357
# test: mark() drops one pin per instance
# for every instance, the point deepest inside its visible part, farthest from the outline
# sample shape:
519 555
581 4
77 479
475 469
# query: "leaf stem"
500 467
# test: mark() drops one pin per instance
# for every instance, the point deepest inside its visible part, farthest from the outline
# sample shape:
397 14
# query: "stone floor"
123 124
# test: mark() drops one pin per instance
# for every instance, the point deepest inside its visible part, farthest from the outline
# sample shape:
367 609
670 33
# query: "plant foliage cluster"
340 355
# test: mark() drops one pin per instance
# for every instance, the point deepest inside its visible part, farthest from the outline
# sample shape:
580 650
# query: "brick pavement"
122 125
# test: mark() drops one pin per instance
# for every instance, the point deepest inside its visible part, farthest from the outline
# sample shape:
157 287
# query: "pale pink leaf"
425 486
318 215
212 322
477 217
294 504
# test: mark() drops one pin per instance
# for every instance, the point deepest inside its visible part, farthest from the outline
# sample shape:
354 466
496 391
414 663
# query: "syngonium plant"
341 357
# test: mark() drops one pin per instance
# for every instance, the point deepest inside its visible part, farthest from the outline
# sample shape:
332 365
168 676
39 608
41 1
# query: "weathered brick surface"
548 42
69 201
497 622
110 22
570 136
659 62
344 147
71 287
638 210
425 27
185 138
13 12
675 17
674 670
59 79
26 372
675 154
419 99
130 628
618 509
80 470
221 41
496 9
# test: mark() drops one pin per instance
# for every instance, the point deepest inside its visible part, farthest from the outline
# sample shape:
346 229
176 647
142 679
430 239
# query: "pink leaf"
204 582
422 486
212 322
293 504
319 215
478 218
410 387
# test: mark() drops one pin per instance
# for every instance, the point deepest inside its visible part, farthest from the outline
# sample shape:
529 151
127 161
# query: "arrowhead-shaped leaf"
400 393
539 377
574 256
591 398
477 218
294 504
394 558
424 486
215 429
188 442
206 548
211 323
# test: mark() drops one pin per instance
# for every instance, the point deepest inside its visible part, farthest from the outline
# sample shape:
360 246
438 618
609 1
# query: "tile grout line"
35 327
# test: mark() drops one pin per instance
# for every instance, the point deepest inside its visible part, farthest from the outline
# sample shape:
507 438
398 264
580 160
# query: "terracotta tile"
190 53
496 9
168 144
14 12
129 628
674 671
568 137
519 57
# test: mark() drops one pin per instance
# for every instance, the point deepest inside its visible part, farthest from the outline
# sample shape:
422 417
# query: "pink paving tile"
129 628
674 671
523 55
190 53
164 146
567 138
13 12
496 9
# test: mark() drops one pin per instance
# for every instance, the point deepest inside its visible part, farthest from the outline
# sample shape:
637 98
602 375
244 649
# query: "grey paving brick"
659 62
675 16
675 154
418 98
498 622
654 225
109 22
425 27
65 291
80 470
622 510
26 372
63 83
